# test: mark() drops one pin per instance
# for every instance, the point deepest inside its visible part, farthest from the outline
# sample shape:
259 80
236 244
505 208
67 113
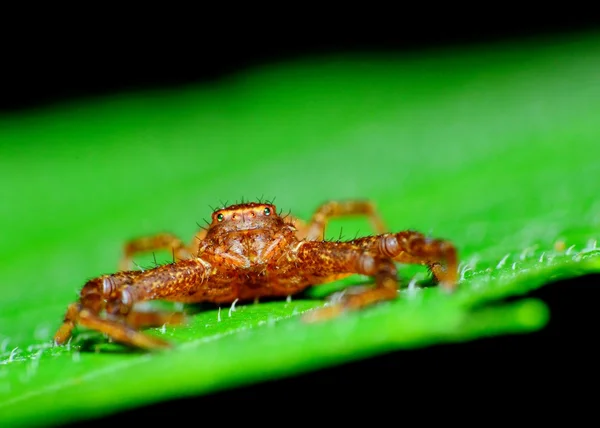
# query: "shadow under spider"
97 343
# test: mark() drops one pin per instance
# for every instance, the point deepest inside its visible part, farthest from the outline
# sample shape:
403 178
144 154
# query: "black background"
49 61
553 371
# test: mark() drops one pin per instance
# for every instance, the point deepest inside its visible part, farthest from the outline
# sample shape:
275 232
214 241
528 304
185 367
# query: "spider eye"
220 217
267 211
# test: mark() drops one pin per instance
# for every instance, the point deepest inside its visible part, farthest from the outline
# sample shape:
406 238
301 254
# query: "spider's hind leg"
334 259
160 241
315 229
154 318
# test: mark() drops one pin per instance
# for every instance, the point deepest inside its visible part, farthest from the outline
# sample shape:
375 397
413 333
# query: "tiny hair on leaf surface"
495 151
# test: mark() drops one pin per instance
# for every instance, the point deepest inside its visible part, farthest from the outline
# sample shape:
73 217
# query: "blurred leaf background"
494 149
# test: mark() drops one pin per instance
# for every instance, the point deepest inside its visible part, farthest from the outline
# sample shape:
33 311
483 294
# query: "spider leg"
141 319
315 230
106 303
160 241
326 259
119 331
415 248
299 224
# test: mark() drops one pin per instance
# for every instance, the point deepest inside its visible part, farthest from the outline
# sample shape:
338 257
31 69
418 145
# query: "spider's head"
245 216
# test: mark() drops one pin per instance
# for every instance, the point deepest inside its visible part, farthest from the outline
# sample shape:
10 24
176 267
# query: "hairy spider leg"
116 295
334 259
298 223
315 230
160 241
404 247
94 298
412 247
372 256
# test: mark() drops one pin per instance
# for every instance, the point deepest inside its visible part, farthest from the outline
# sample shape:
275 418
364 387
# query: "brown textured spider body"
249 251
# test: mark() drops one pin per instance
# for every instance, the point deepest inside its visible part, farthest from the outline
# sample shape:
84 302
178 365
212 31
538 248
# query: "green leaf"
496 150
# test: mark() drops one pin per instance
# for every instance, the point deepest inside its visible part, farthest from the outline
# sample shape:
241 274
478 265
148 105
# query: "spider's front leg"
106 303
